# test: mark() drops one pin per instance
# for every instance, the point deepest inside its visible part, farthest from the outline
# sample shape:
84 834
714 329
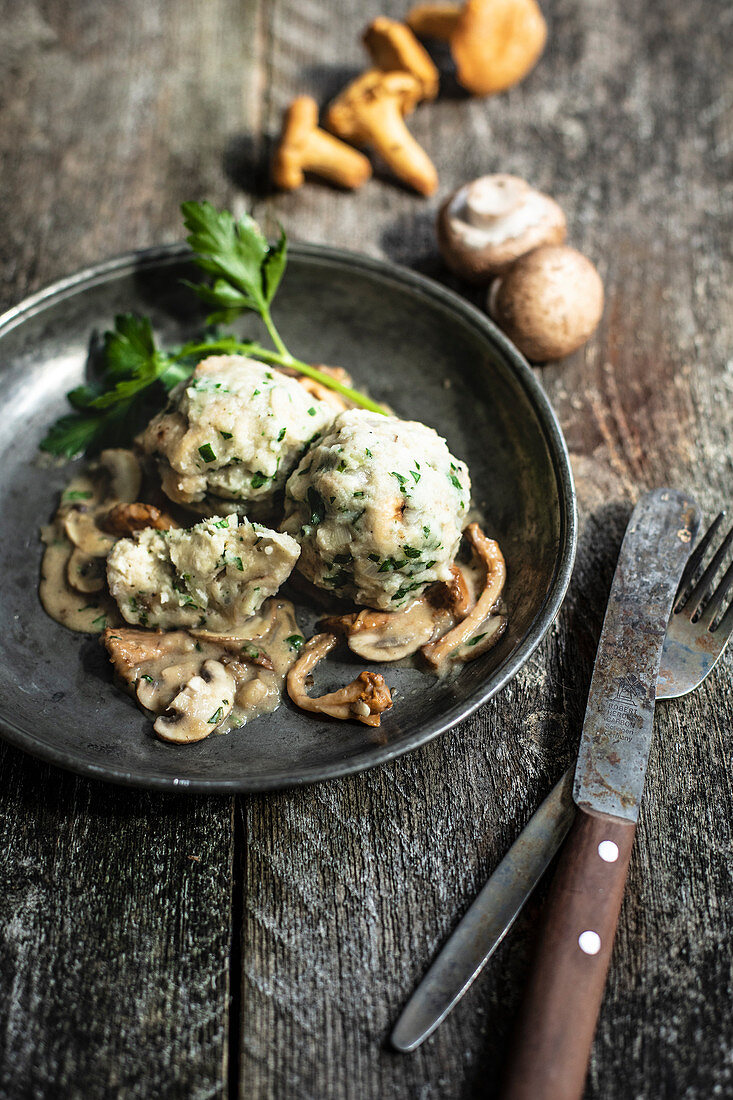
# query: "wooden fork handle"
552 1043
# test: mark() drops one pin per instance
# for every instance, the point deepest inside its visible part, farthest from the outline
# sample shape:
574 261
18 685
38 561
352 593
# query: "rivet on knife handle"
557 1021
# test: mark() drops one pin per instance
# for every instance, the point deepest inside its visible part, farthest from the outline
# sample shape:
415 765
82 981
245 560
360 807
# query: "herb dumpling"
232 433
213 575
378 505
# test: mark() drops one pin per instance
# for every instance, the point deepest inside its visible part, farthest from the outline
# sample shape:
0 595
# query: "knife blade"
619 717
558 1017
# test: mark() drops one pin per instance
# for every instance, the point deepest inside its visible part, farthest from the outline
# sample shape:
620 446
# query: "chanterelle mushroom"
486 225
488 550
322 393
364 699
370 111
305 148
125 519
549 302
392 45
452 595
494 43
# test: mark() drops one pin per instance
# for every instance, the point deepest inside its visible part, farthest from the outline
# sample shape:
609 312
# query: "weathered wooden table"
261 946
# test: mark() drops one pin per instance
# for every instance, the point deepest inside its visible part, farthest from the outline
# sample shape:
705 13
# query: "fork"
697 634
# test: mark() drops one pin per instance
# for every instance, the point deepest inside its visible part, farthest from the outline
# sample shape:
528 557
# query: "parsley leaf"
115 404
246 270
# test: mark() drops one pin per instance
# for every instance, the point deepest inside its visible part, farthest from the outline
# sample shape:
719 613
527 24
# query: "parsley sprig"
245 272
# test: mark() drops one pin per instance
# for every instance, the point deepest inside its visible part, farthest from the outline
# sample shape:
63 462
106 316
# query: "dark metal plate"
414 345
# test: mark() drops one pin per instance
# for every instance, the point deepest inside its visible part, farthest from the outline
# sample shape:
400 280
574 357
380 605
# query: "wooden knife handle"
552 1043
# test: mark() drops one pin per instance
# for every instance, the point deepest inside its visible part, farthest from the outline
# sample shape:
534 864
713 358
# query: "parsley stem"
283 359
275 335
354 396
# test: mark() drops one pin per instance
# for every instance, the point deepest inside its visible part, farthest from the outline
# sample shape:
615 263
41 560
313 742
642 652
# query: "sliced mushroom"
185 489
364 699
488 550
86 573
200 707
124 471
84 492
387 635
123 519
482 640
156 693
81 528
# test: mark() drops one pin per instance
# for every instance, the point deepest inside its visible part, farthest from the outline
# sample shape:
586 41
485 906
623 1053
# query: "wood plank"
351 886
115 911
115 905
109 119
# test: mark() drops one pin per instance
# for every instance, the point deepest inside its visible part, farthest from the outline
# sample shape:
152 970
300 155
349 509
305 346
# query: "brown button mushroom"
487 224
370 111
393 46
494 43
549 302
305 148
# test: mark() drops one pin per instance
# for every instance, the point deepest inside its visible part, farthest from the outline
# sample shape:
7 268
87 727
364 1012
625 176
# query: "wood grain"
116 948
115 912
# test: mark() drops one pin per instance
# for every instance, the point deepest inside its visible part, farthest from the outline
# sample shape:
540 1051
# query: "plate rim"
136 259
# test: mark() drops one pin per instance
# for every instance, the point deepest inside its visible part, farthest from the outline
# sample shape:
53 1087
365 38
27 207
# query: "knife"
555 1028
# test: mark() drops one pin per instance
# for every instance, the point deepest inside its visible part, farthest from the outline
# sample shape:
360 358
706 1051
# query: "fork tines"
694 601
